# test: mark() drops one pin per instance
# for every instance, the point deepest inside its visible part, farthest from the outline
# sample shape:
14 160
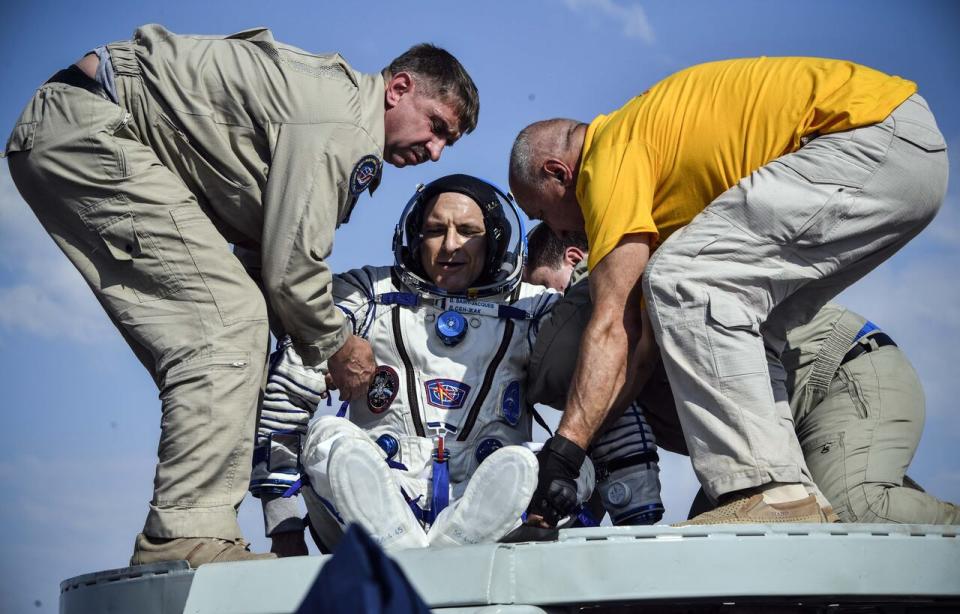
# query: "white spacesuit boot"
493 501
348 473
366 492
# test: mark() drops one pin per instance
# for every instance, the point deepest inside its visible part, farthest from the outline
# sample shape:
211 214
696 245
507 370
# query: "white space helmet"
505 236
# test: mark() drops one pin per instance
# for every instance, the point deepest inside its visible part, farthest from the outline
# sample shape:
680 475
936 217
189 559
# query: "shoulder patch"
383 390
364 172
486 448
510 404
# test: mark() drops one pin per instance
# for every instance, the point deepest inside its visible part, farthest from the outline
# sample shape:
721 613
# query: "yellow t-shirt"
658 161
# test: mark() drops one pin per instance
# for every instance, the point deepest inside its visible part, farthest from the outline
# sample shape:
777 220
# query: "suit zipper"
412 391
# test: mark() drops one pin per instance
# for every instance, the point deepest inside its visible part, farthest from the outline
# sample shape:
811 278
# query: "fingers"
288 544
352 368
530 533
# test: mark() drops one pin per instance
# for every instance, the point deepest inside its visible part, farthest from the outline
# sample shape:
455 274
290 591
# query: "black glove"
530 533
556 494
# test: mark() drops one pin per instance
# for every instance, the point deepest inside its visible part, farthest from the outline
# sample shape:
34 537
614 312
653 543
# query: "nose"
435 148
452 240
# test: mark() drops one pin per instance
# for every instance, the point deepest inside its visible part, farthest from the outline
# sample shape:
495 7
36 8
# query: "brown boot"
752 509
194 550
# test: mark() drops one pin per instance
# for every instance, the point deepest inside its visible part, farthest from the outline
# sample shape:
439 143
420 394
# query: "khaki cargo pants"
859 435
766 255
171 285
858 430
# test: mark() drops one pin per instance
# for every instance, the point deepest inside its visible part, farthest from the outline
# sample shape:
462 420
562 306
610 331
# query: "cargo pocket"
825 161
736 349
857 399
116 129
134 262
734 335
235 294
21 139
917 134
195 166
827 460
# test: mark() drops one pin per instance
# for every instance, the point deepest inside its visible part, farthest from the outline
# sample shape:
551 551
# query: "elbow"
623 322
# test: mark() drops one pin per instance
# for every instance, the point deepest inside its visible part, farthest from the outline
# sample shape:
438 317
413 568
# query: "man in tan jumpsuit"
147 159
856 402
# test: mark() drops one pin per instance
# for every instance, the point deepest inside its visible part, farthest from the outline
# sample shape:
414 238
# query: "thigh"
893 398
866 429
155 260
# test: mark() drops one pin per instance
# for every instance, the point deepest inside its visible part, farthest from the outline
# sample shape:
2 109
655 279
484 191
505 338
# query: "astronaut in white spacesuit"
434 454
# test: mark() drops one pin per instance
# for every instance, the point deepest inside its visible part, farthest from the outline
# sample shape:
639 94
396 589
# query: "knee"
871 503
325 429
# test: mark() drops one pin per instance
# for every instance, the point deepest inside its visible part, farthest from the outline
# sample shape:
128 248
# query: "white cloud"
40 291
632 17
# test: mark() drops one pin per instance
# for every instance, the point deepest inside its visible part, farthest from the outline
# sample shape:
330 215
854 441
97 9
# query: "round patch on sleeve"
487 447
383 390
510 404
365 171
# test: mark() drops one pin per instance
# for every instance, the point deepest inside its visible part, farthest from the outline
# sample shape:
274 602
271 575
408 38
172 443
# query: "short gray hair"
533 144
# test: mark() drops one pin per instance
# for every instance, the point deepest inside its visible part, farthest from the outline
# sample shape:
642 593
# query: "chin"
451 285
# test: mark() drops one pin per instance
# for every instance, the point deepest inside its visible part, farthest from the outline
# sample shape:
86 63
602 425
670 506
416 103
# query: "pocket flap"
121 238
21 139
731 313
922 136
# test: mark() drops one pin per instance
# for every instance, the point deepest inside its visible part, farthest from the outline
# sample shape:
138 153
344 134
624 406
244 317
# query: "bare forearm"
640 368
608 363
598 381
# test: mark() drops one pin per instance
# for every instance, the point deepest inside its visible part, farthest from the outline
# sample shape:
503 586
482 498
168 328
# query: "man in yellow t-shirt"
790 179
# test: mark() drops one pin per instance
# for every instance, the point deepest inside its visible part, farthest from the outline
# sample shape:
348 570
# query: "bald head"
538 142
544 164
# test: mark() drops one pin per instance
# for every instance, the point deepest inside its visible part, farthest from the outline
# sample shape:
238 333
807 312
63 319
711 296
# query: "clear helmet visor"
504 233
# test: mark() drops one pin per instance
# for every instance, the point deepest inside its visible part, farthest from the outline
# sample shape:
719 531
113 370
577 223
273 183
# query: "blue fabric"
408 299
869 327
441 489
586 518
361 579
294 489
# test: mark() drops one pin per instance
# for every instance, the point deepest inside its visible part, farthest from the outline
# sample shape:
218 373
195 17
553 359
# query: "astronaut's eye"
469 231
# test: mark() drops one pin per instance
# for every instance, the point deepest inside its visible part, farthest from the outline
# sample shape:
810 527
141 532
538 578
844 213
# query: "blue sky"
81 415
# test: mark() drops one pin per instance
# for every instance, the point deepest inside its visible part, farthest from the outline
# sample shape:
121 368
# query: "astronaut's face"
454 246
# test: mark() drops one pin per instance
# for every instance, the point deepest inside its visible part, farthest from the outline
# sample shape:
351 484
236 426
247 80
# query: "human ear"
397 87
556 169
572 255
